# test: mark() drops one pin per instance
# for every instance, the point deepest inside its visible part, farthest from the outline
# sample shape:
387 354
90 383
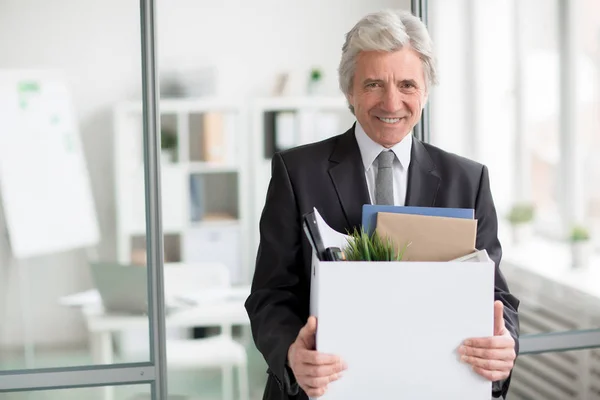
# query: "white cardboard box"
398 326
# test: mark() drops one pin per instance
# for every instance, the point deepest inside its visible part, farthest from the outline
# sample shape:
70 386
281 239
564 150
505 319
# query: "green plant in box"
521 213
364 247
579 234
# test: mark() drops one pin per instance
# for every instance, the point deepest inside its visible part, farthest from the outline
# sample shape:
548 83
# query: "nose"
392 100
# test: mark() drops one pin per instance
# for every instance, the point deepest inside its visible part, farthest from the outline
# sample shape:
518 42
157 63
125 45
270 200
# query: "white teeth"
389 120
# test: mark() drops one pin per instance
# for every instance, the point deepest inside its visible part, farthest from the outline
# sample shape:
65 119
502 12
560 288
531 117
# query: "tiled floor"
202 384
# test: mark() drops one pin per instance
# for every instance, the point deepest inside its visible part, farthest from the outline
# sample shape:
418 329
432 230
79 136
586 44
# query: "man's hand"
491 357
313 370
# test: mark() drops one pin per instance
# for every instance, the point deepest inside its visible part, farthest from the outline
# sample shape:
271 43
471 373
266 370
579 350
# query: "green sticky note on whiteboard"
29 87
26 88
69 145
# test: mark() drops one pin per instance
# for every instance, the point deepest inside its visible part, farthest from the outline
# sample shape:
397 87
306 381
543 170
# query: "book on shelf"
218 217
196 197
314 126
285 130
218 138
213 138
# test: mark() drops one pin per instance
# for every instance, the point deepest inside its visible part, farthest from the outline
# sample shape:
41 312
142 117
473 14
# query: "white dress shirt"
369 150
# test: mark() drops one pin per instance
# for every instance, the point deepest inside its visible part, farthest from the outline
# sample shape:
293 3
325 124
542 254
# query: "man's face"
388 93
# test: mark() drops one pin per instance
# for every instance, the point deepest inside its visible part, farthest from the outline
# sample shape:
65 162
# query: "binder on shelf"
213 138
285 130
314 126
196 197
230 125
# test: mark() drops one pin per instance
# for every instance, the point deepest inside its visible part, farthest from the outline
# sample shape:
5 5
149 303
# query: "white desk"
224 308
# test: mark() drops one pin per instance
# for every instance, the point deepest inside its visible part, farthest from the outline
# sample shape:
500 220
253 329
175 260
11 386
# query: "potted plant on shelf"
315 81
168 146
581 248
521 220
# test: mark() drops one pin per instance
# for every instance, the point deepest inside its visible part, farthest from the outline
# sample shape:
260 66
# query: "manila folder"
429 238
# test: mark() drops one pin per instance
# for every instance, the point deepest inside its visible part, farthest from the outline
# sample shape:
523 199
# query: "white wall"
97 44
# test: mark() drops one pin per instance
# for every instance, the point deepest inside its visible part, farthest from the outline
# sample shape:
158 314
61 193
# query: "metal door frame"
154 371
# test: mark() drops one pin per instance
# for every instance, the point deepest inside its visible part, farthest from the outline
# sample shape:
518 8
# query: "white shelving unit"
283 122
205 210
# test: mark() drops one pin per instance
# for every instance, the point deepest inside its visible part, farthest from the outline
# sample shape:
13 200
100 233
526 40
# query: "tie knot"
386 159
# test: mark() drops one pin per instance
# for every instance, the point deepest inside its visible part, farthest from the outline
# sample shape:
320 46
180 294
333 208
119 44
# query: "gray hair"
387 30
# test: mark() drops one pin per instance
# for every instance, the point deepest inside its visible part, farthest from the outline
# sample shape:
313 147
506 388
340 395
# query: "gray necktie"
384 184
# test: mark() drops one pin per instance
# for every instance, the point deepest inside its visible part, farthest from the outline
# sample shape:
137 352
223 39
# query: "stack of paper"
369 213
431 233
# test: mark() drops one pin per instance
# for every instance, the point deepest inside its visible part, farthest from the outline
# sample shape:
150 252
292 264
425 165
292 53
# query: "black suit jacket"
329 175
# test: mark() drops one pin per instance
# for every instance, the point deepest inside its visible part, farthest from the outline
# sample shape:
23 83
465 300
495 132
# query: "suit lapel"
348 176
423 179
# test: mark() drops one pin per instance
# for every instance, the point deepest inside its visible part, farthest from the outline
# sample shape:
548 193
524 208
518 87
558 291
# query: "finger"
320 370
488 354
487 364
492 375
318 382
311 325
493 342
315 392
498 318
313 357
309 329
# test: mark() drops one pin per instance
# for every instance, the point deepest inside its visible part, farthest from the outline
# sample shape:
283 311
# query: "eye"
408 85
373 85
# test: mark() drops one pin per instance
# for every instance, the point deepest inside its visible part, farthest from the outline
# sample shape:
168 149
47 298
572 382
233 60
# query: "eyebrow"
373 80
411 81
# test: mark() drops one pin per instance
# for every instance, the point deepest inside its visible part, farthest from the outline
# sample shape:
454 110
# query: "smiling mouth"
389 120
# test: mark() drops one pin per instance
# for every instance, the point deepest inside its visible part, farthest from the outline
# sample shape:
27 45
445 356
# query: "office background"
519 90
99 51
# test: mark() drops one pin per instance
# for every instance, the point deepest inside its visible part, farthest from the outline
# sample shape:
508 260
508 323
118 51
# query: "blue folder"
369 213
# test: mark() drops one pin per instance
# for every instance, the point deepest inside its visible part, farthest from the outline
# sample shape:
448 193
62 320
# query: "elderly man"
386 71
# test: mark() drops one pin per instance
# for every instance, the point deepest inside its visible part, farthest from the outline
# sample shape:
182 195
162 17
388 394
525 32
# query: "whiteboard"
44 180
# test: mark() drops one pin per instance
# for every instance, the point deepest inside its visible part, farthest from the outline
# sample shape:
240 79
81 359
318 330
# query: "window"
520 92
588 31
539 91
524 99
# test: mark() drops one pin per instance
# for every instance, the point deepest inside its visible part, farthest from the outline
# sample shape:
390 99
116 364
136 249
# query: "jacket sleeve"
487 238
279 299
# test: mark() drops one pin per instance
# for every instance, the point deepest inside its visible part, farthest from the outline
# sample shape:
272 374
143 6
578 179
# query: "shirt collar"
369 149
